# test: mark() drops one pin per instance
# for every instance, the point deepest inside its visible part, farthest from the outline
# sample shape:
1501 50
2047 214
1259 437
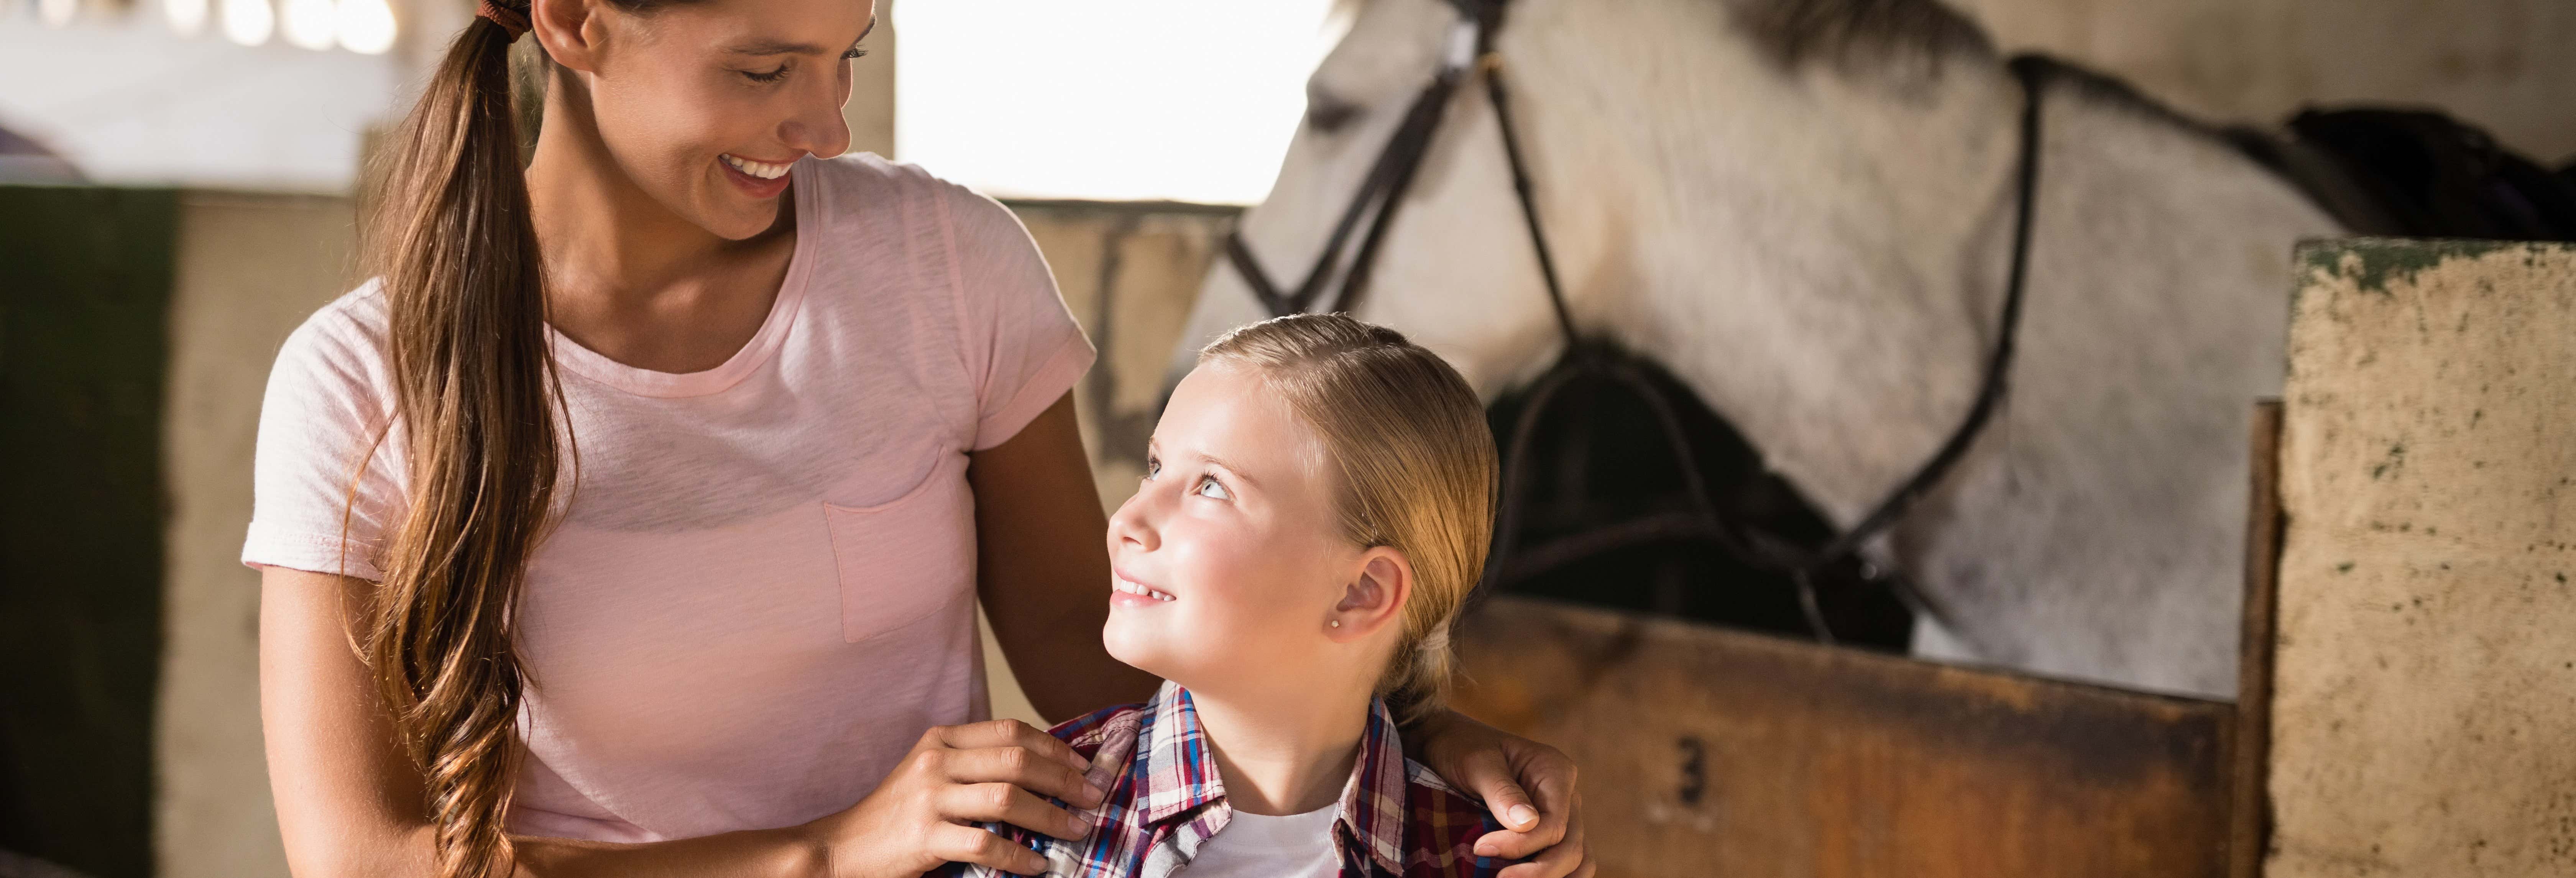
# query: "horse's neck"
1822 259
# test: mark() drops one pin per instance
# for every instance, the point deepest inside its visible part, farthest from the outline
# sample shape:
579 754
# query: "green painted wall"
85 280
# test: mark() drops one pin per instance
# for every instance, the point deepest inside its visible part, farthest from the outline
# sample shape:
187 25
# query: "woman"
660 552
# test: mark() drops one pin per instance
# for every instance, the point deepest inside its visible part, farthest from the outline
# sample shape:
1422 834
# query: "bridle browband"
1470 51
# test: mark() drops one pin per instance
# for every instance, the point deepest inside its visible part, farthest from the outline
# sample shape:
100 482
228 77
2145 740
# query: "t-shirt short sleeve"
319 423
1021 347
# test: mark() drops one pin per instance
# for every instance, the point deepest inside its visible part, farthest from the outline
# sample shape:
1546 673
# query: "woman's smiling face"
705 104
1229 558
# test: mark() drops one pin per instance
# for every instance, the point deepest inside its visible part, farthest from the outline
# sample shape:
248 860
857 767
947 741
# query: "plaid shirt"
1398 820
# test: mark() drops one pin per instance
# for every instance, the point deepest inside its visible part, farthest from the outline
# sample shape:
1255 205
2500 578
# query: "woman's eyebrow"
782 47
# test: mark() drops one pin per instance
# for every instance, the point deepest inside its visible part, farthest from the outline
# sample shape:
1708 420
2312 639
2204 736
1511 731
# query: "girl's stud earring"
1335 623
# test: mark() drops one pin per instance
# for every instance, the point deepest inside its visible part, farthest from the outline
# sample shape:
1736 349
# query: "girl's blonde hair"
1415 459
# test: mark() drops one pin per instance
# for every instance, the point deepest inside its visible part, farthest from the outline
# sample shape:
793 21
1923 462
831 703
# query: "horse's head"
1460 201
1778 198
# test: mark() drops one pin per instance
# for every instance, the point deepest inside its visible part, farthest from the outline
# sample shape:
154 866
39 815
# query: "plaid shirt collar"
1175 765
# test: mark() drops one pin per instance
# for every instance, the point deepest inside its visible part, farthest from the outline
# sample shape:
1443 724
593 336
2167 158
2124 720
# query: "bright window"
1191 100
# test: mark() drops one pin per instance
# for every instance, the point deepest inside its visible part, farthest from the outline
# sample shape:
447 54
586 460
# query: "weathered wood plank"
2249 810
1714 752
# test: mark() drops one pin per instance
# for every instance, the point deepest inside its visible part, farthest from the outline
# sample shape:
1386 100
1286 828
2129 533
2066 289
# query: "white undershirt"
1261 846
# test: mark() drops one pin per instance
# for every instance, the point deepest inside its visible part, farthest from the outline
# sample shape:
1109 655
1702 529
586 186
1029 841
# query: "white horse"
1804 208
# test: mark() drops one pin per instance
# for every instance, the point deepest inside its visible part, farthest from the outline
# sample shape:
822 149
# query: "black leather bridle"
1470 52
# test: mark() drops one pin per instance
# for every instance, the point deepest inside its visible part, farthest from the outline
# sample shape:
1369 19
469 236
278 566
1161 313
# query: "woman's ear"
565 29
1376 597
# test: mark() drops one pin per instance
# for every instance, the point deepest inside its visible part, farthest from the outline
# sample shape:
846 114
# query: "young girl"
657 483
1317 501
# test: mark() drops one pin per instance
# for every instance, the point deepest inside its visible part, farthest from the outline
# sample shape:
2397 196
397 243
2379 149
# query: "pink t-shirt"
761 591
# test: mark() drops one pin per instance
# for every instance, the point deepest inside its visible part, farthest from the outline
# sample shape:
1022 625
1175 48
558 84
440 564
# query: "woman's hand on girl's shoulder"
1526 785
922 816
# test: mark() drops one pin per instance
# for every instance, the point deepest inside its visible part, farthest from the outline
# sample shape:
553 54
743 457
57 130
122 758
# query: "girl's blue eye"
1152 466
1211 484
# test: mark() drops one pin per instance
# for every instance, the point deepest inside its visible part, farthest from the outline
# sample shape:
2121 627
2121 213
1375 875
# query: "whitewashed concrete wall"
2424 708
2507 65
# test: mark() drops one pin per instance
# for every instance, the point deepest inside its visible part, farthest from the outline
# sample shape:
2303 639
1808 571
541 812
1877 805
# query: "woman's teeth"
763 170
1134 589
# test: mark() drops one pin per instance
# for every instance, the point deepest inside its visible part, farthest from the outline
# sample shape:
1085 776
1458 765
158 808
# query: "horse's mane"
1907 36
1858 32
1874 36
1842 31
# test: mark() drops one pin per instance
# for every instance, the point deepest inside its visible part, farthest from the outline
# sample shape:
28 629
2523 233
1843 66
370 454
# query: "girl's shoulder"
1441 826
1092 732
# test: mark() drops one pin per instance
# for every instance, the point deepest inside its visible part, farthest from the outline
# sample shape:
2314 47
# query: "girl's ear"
566 29
1376 597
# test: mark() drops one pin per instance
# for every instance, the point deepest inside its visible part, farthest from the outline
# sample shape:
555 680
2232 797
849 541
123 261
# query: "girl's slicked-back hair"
1415 462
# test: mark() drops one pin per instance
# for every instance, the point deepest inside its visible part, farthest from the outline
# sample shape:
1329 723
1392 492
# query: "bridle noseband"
1470 51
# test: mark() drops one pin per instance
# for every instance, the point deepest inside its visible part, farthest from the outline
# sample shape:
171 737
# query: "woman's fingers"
1009 733
1492 779
1548 795
1021 766
1004 803
966 844
1566 859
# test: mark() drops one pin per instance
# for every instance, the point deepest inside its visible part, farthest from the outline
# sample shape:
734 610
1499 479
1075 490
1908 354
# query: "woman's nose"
818 127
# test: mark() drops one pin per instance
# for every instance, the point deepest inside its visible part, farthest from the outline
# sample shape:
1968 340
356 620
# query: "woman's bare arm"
349 801
1042 567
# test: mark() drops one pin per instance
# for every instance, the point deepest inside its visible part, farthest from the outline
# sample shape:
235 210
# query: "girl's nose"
1133 524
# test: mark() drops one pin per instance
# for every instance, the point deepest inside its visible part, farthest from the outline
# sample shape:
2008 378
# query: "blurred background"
188 165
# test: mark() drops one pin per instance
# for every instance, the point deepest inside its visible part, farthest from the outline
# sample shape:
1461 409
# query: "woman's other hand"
1527 785
922 816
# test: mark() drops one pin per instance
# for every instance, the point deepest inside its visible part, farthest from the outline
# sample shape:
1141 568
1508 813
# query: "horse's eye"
1326 113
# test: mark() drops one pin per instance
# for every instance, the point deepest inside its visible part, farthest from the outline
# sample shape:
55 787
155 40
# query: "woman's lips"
755 186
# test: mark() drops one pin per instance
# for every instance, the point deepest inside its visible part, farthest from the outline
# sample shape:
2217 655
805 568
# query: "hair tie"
510 20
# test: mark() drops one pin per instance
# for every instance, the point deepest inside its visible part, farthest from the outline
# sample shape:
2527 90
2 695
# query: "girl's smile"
1125 592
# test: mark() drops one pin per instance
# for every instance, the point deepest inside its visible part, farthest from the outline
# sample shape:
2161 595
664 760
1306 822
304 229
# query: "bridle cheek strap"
1389 178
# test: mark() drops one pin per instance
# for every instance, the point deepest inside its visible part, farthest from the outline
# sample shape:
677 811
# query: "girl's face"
704 104
1230 562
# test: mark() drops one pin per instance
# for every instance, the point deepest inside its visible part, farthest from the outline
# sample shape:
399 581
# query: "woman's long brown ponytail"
450 240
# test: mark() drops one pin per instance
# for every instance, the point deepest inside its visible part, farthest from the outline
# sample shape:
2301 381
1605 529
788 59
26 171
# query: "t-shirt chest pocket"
904 559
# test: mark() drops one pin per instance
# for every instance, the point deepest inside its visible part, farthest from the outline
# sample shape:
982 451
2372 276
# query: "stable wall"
2505 65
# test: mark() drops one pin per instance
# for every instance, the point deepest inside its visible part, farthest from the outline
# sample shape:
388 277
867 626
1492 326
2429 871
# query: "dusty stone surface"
250 269
2425 714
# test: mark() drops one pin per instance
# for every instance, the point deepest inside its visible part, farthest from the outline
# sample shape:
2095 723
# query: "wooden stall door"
1716 752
